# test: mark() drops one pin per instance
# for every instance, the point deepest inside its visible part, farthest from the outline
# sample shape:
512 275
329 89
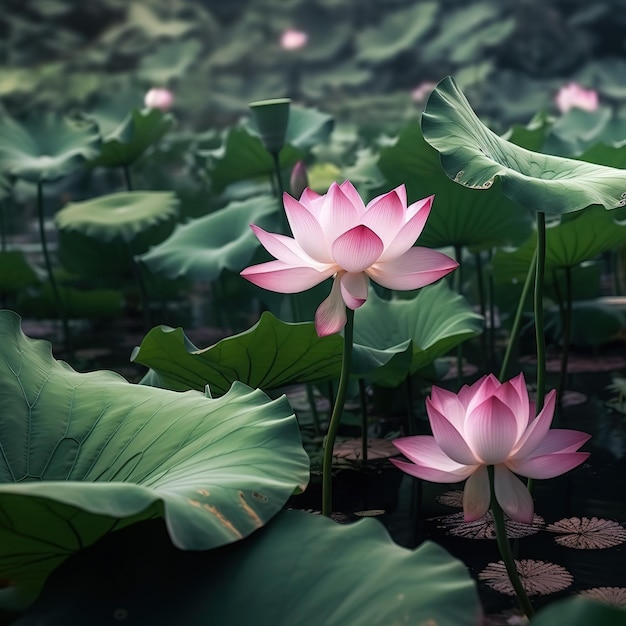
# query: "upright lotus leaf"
242 156
578 237
46 147
300 570
397 32
16 273
202 248
426 327
139 130
98 236
460 216
85 454
271 354
475 157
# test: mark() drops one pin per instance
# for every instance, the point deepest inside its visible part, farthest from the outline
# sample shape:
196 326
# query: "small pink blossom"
573 95
491 423
335 234
422 91
299 180
159 98
293 39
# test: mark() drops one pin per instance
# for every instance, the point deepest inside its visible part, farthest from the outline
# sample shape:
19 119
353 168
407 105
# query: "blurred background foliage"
364 60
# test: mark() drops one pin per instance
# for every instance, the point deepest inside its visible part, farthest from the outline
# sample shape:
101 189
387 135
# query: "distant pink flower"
573 95
491 423
422 91
335 234
299 179
159 98
293 39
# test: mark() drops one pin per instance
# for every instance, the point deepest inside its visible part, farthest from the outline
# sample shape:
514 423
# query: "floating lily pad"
86 454
474 156
46 147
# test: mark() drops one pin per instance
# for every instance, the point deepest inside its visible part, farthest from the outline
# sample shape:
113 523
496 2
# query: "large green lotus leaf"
460 216
202 248
397 32
575 131
299 570
242 155
576 238
434 321
119 215
83 454
474 156
16 273
46 147
139 130
270 354
580 612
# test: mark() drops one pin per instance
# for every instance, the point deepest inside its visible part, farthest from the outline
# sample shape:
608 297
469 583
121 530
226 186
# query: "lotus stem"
518 316
483 306
333 426
566 313
492 317
364 424
504 548
53 285
127 178
458 255
538 306
279 194
141 284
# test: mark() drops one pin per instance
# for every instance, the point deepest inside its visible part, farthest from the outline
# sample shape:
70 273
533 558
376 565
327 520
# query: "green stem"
538 306
567 329
483 307
492 316
458 255
505 551
127 178
333 426
364 424
518 316
141 284
53 285
279 192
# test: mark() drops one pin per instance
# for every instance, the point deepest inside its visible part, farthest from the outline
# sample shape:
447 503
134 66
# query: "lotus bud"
573 96
158 98
271 118
299 180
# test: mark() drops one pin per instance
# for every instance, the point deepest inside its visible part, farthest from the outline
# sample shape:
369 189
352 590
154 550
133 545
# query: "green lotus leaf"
576 238
434 321
46 147
299 570
118 215
139 130
169 61
580 612
242 155
98 237
85 454
398 31
474 156
271 354
575 131
460 216
202 248
16 273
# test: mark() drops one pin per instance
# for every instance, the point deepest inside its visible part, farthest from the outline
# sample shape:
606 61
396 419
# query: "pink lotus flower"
335 234
293 39
491 423
573 95
158 98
